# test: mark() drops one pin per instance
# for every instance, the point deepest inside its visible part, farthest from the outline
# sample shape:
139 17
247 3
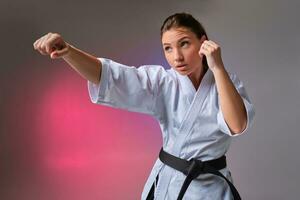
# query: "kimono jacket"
191 122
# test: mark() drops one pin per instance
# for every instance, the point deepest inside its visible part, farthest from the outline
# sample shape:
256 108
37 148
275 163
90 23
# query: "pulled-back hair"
184 20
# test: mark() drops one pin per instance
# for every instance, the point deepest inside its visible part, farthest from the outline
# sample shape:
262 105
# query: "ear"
202 39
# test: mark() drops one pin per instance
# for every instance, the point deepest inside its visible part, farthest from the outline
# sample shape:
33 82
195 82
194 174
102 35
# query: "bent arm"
232 105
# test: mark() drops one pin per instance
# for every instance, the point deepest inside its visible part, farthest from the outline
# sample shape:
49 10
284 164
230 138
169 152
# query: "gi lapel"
193 110
186 125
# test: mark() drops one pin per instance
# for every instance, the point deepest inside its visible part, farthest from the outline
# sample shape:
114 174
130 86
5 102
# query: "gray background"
259 41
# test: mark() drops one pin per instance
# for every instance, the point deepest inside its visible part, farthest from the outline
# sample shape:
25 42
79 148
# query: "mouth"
181 66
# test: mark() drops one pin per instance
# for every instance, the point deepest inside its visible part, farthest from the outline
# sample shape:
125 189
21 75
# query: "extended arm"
88 66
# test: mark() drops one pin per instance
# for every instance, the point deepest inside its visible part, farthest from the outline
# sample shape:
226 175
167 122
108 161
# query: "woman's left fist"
212 51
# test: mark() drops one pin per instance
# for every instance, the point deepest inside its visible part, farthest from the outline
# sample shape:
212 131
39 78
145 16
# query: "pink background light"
74 149
56 145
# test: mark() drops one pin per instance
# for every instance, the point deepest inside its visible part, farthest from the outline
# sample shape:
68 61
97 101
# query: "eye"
167 49
185 43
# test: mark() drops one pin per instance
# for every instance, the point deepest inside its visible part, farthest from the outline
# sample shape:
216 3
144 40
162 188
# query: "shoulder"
233 77
149 71
155 69
165 78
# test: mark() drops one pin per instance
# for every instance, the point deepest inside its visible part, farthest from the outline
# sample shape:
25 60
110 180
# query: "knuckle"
40 45
47 48
36 43
56 35
43 46
41 52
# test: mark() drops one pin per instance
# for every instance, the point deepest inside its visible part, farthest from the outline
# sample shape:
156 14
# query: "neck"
196 77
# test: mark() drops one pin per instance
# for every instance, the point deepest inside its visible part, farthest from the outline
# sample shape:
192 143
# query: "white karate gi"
191 121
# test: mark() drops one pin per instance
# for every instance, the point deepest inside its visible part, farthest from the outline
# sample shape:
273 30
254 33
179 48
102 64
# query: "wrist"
70 50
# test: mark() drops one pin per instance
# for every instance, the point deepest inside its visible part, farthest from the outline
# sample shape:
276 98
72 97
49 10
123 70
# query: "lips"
179 66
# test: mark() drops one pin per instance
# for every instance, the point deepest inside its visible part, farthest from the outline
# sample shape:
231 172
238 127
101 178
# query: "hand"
52 44
212 51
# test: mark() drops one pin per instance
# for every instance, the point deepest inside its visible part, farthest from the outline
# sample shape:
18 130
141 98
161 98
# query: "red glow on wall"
87 144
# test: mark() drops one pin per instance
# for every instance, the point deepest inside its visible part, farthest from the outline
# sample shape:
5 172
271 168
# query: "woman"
198 104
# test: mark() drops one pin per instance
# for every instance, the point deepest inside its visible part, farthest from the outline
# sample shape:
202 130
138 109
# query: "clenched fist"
52 44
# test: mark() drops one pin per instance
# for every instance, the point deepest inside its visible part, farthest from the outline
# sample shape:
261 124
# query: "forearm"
88 66
232 105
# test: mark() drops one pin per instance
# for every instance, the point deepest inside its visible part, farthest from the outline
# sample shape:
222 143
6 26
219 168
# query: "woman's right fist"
52 44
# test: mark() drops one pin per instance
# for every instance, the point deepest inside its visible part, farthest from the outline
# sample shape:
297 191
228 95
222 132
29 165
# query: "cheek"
168 58
192 55
195 55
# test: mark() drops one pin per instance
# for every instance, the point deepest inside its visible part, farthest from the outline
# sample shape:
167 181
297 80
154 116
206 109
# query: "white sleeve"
248 105
126 87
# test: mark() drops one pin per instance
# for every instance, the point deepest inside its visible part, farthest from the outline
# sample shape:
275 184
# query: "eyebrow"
185 37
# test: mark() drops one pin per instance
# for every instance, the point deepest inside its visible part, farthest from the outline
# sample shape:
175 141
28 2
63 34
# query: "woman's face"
181 47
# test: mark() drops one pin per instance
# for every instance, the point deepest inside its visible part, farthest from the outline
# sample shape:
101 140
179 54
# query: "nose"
178 56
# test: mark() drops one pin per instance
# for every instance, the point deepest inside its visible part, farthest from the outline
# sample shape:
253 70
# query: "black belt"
193 168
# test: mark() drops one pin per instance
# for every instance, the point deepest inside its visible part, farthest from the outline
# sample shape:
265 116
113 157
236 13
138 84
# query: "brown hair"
185 20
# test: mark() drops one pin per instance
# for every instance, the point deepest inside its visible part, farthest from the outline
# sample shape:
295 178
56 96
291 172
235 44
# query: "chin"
184 73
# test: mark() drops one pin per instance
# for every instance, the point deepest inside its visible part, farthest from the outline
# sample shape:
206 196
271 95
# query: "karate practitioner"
199 106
